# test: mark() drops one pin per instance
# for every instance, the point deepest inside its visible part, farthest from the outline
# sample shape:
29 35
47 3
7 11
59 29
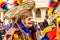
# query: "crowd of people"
21 25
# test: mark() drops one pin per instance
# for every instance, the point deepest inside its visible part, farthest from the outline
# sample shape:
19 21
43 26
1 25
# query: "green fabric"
51 0
5 7
38 36
19 37
31 39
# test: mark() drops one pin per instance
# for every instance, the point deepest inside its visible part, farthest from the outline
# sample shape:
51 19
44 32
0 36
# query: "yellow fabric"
16 37
1 1
55 0
14 0
47 29
58 19
20 1
50 11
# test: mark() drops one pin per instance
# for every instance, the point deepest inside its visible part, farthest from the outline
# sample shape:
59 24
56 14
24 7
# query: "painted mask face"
28 22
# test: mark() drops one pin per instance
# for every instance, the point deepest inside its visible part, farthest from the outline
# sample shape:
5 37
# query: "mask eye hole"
29 19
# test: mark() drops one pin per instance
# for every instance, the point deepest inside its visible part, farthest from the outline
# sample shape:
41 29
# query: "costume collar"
25 30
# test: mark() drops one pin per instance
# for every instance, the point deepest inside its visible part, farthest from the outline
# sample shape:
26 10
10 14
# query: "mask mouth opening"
30 23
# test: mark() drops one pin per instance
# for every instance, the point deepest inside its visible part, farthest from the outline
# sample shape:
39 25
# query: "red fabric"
15 2
52 34
3 18
34 4
34 36
53 4
4 3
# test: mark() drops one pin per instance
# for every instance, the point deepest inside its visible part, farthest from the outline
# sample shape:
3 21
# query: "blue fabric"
45 38
7 27
25 30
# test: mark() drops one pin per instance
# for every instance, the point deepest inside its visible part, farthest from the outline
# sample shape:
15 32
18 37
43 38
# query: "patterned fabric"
52 6
17 36
47 29
45 38
50 35
17 33
25 30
